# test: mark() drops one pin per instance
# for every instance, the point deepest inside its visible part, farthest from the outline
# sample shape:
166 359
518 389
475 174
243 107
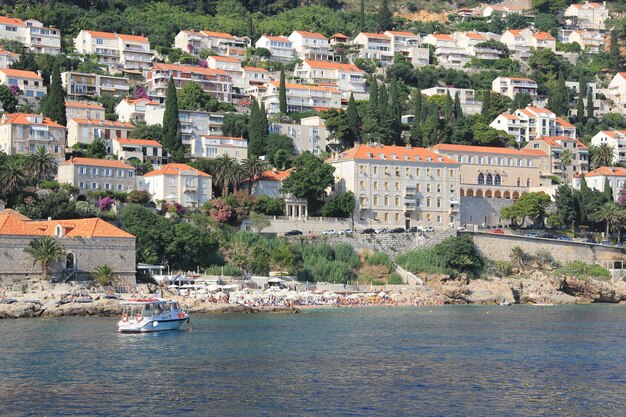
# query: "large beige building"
83 110
179 183
23 133
88 130
30 83
116 51
310 135
213 81
89 174
399 186
218 42
78 84
555 147
32 34
496 172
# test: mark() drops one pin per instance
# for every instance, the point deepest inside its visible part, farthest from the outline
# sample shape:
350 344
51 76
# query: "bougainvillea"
220 211
140 92
174 207
203 63
621 199
105 204
14 89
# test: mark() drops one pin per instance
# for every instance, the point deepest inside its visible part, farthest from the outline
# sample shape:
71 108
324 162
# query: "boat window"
175 306
168 307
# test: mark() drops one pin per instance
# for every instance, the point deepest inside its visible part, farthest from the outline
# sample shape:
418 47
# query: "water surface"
453 360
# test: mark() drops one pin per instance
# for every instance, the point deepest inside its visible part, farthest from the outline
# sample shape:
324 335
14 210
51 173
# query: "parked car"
368 231
461 228
293 233
348 232
606 242
547 236
329 232
382 230
497 231
429 229
564 238
413 229
397 230
532 234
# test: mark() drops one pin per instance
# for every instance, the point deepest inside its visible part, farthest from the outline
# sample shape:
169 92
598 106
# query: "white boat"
151 315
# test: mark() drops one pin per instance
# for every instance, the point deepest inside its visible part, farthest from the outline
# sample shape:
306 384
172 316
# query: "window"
439 202
481 179
386 185
428 172
489 179
428 202
82 170
418 187
397 217
94 185
94 171
386 200
438 188
438 219
99 41
397 186
428 187
362 184
172 183
81 185
528 182
439 172
375 170
120 187
417 172
386 217
376 185
497 180
519 182
375 200
130 174
108 172
120 173
107 186
397 200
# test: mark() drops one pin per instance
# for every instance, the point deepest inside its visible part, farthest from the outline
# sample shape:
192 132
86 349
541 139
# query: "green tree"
253 167
152 232
172 136
224 170
104 275
97 149
612 215
486 108
192 97
590 105
602 155
190 247
518 256
260 263
258 130
143 131
8 100
457 109
41 164
259 221
12 175
53 105
235 125
532 205
362 16
558 97
310 178
43 251
384 18
276 142
340 206
353 121
615 57
567 207
607 190
565 160
521 100
282 92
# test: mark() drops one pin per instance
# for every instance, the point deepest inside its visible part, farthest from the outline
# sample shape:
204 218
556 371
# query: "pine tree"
615 59
558 97
362 16
384 17
590 105
172 137
486 109
53 105
282 92
458 110
353 120
417 110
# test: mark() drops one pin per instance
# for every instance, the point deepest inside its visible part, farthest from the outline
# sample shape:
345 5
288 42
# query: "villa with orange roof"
23 133
231 66
471 43
134 110
116 51
510 86
448 53
212 146
408 44
87 130
518 42
616 139
300 97
280 47
375 46
587 15
144 150
78 84
270 182
555 147
220 43
347 78
596 179
543 40
7 58
531 123
32 34
311 45
213 81
591 41
88 244
83 110
255 76
89 174
399 186
180 183
29 82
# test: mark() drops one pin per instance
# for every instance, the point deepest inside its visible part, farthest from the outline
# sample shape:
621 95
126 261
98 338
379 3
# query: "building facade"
179 183
116 51
213 146
509 86
587 15
310 45
87 130
556 147
299 97
30 83
89 174
83 110
7 58
220 43
347 78
145 150
616 139
310 135
77 84
32 34
281 48
213 81
23 133
597 179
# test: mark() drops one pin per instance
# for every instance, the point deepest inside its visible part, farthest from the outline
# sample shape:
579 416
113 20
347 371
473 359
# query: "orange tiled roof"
608 171
108 163
273 175
21 73
217 34
133 38
555 141
175 169
77 104
277 38
402 153
305 87
564 123
22 119
189 69
104 35
306 34
340 36
224 58
132 101
375 35
105 123
543 36
140 142
540 111
5 20
400 33
474 35
13 223
255 69
515 32
509 116
445 147
333 65
9 53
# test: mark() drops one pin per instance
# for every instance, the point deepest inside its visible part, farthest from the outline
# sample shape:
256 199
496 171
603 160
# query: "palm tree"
223 169
253 167
12 176
565 160
236 175
104 275
518 257
613 215
44 251
602 155
41 164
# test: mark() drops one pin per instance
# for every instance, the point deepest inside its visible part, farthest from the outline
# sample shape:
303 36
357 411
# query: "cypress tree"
371 122
362 16
251 30
418 105
383 100
486 109
448 106
458 110
282 92
54 103
374 94
608 191
264 122
615 58
384 17
257 131
353 120
558 97
589 105
396 105
580 107
172 138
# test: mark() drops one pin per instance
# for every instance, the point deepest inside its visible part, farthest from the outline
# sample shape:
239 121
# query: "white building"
89 174
347 78
596 179
587 15
375 46
270 183
448 53
134 110
231 66
77 84
531 123
213 81
280 47
32 34
589 40
408 45
30 83
83 110
518 42
144 150
616 92
7 58
616 139
207 146
299 97
193 123
467 96
88 130
310 135
310 45
220 43
255 76
510 86
179 183
116 51
23 133
543 40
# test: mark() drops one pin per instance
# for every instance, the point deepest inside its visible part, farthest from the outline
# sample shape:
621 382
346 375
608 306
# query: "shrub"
583 270
344 252
395 279
501 268
544 259
379 258
422 260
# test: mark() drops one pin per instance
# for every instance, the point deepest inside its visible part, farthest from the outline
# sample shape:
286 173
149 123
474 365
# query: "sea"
370 361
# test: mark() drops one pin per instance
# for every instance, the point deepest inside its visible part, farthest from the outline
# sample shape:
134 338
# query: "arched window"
481 179
489 179
497 180
528 182
519 182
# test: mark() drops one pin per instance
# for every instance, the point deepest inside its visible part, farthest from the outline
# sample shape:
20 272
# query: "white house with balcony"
7 58
116 51
213 81
408 45
29 82
531 123
347 78
23 133
510 86
467 97
518 42
134 110
587 15
193 123
84 110
78 84
375 46
309 135
311 45
280 47
448 53
220 43
179 183
542 40
208 146
32 34
144 150
616 139
596 180
300 97
589 40
88 130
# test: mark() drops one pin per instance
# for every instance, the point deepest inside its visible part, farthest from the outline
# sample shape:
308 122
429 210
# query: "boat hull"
151 326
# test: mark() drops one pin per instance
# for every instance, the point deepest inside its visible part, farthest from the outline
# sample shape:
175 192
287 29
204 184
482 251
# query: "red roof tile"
388 152
444 147
175 169
108 163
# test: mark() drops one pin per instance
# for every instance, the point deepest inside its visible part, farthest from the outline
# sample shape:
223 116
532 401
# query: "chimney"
408 146
2 205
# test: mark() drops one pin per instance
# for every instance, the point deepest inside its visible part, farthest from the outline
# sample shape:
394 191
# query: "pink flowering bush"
15 90
203 63
621 199
140 92
105 204
174 207
220 211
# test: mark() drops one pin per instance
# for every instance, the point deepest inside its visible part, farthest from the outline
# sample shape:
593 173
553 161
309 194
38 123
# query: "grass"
583 271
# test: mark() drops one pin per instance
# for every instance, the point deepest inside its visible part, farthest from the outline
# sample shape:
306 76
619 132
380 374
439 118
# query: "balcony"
190 188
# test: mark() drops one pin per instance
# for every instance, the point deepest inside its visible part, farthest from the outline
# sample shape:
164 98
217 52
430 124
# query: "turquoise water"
454 360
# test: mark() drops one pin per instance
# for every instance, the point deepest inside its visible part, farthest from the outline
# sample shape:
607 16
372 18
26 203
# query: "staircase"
68 274
435 239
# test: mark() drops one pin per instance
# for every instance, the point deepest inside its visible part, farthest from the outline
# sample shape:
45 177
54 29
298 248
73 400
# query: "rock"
594 290
489 292
20 310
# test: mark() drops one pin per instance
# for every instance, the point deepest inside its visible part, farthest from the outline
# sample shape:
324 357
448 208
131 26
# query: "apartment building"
300 97
616 92
518 42
510 86
347 78
590 41
220 43
587 15
596 180
213 81
23 133
32 34
616 139
491 172
600 104
310 135
280 47
408 45
399 186
375 46
207 146
78 84
30 83
255 76
472 44
83 110
144 150
87 130
89 174
532 122
134 110
116 51
193 123
542 40
231 66
555 147
7 58
467 96
179 183
311 45
448 53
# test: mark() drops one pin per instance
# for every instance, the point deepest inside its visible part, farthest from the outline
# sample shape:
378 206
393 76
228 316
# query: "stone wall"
498 247
480 210
89 253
